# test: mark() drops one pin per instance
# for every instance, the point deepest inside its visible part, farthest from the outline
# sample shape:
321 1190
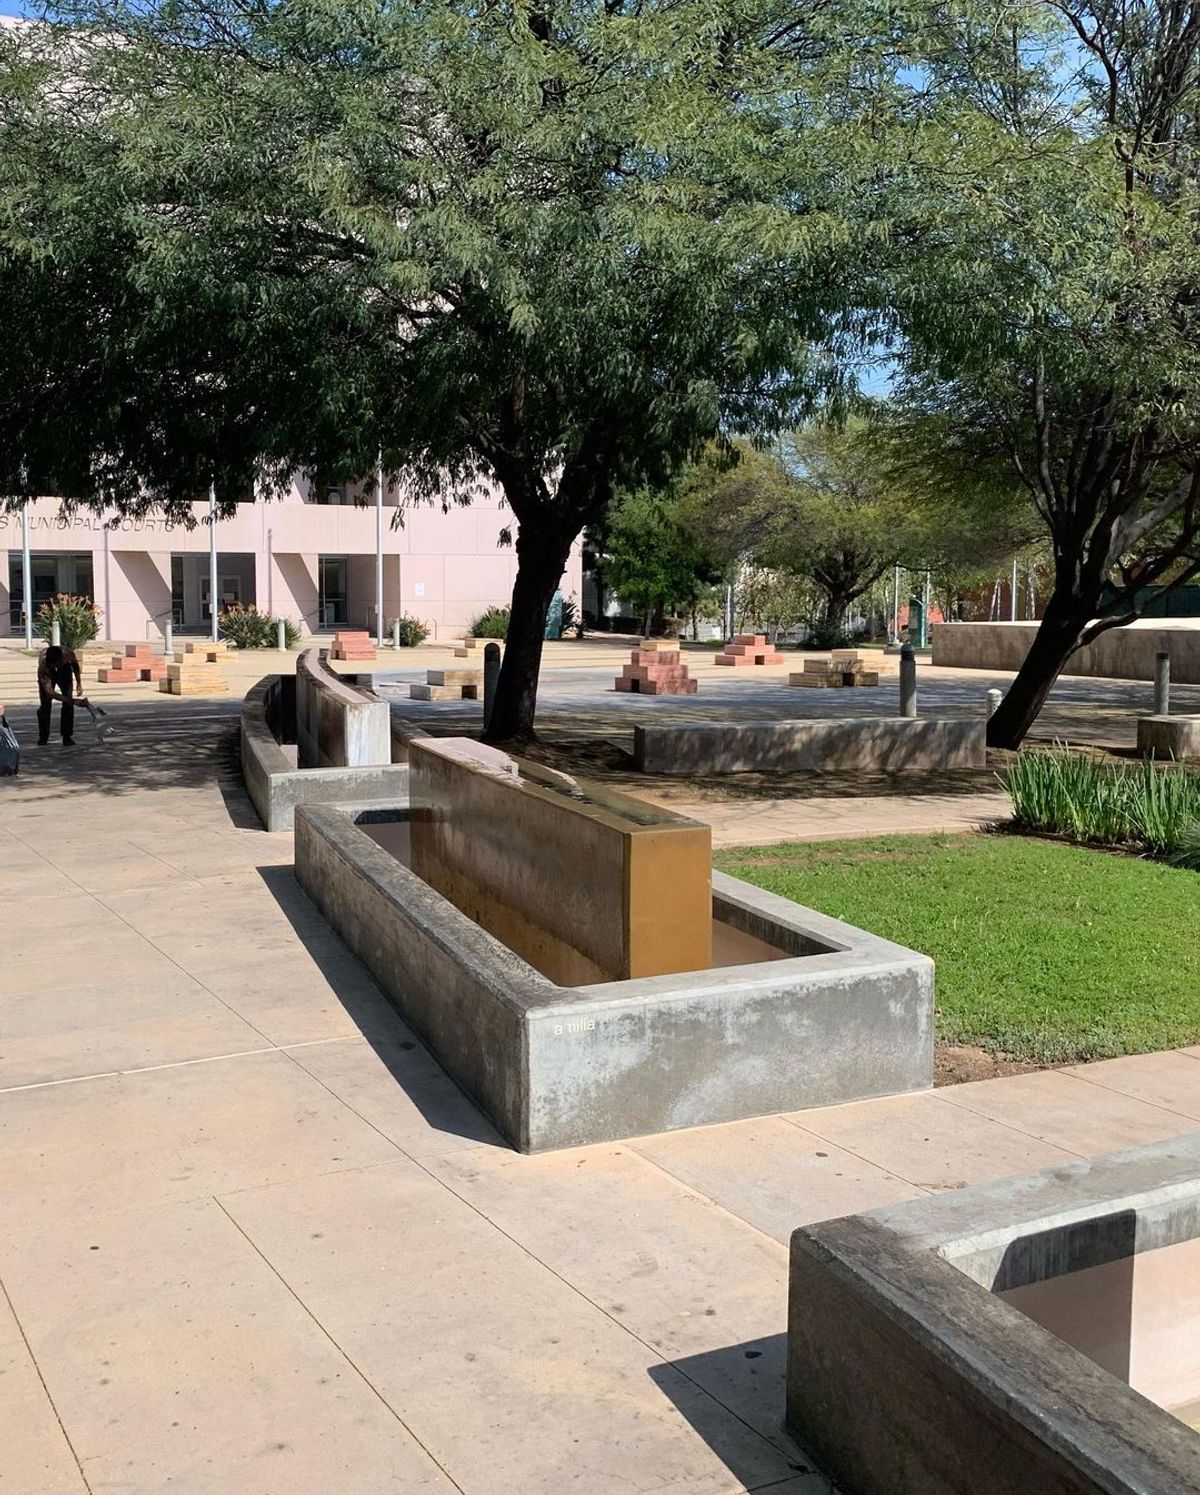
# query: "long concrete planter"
919 1361
880 744
276 786
838 1015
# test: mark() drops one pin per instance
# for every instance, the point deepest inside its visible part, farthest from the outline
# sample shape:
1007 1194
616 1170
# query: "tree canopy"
553 245
1049 327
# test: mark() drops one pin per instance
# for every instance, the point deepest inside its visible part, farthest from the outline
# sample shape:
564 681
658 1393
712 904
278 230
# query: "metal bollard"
56 634
1162 683
395 633
169 639
908 681
281 635
491 676
994 697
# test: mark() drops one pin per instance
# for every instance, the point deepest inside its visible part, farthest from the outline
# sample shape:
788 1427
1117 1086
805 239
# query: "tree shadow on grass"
440 1101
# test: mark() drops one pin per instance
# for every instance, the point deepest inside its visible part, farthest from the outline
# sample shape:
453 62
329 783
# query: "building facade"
309 556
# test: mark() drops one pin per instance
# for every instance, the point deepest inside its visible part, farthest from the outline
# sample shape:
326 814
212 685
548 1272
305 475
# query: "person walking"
58 671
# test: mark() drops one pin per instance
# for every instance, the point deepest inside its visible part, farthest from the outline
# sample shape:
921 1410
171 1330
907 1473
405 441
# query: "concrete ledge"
338 725
276 785
909 1375
829 1014
1120 654
1169 736
891 744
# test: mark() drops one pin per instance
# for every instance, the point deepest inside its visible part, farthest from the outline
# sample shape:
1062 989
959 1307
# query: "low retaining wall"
831 1014
909 1374
276 785
338 725
1120 654
882 744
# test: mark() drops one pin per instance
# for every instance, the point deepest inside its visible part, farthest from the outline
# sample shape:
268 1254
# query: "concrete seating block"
454 677
427 692
1169 737
810 679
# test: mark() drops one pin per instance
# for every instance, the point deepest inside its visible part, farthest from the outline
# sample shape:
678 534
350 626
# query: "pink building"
309 557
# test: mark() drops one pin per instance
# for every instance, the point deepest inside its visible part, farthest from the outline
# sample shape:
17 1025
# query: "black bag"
10 750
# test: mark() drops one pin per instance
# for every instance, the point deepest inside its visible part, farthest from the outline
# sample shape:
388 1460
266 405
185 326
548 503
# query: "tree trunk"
541 560
1067 615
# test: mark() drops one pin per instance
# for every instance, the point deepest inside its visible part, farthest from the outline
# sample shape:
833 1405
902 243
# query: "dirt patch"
959 1063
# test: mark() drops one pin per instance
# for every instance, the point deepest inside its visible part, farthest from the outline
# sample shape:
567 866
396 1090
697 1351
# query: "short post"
281 635
169 639
908 681
395 633
491 677
994 697
1162 683
56 634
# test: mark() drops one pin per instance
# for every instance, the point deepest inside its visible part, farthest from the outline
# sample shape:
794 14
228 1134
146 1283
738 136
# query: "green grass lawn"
1044 951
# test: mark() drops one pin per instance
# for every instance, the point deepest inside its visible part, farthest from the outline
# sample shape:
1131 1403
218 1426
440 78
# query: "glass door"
332 579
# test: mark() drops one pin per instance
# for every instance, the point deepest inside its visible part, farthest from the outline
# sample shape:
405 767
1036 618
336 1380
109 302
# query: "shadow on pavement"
730 1395
432 1091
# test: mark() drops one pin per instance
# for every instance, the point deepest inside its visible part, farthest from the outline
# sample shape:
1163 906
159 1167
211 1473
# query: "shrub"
247 628
492 623
408 631
78 620
825 635
570 615
1145 807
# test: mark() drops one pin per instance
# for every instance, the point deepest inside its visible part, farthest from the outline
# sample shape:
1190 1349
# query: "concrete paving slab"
698 1278
1062 1108
401 1090
179 1361
1171 1079
36 1458
929 1142
295 999
772 1175
509 1377
63 1032
170 1134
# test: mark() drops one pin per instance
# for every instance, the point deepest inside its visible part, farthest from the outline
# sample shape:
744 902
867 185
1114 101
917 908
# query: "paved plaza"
255 1242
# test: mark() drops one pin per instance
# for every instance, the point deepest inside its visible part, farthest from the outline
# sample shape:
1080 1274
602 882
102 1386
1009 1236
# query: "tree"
554 245
653 561
834 506
1050 326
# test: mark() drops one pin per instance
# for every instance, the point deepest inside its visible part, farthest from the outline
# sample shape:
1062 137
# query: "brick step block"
444 692
659 645
453 677
735 660
137 651
666 688
649 672
361 656
211 649
754 640
190 687
116 675
656 656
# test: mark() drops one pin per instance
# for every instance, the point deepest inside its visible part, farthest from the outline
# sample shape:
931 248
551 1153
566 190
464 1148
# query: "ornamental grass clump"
78 620
247 628
1145 807
490 624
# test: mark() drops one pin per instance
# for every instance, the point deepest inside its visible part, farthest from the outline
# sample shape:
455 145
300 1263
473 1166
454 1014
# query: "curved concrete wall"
1121 654
338 725
275 784
890 744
